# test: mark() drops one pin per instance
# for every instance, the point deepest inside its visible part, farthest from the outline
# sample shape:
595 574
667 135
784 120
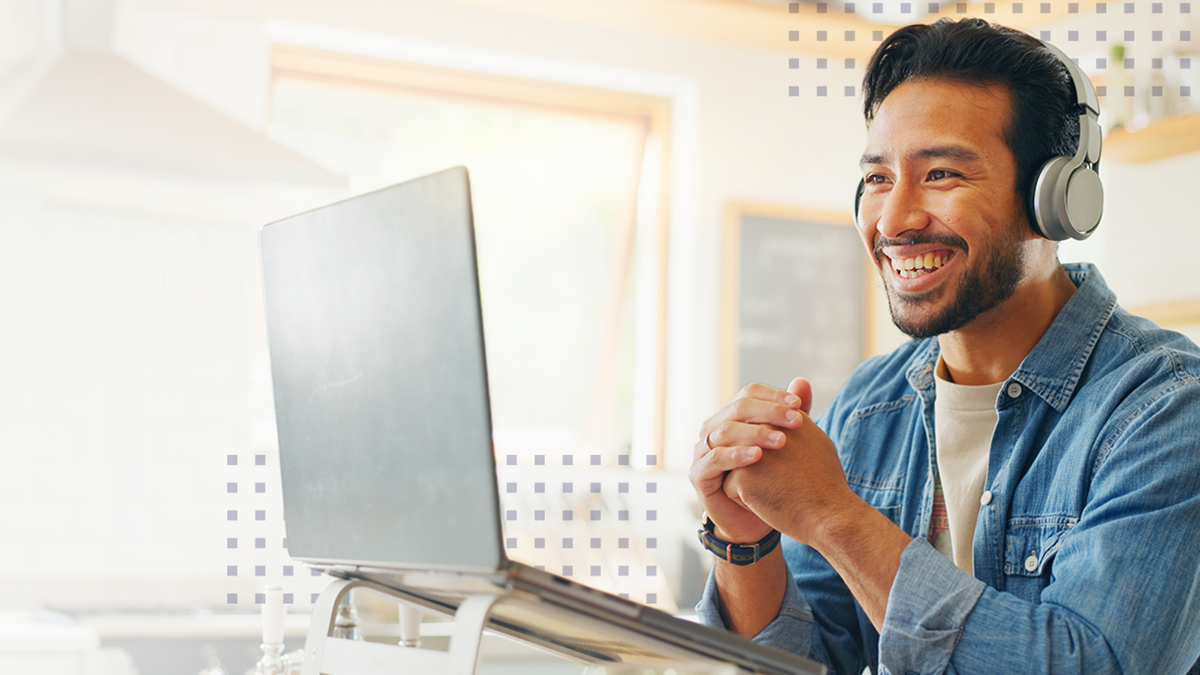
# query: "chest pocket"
878 477
1030 548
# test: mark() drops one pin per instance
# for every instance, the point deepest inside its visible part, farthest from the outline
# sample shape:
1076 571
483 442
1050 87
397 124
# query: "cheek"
867 235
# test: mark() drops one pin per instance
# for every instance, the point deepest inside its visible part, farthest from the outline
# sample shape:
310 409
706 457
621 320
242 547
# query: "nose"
896 211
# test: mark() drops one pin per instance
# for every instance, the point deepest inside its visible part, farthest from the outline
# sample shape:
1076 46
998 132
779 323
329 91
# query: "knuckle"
720 434
765 392
713 435
741 407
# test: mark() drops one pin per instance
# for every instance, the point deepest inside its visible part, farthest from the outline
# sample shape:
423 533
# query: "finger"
732 487
733 492
759 411
743 436
762 392
755 404
802 389
732 434
708 472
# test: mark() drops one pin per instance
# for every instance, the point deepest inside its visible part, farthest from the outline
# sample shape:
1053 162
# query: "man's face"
940 214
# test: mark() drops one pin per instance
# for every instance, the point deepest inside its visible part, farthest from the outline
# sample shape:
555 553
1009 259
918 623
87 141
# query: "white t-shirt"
964 418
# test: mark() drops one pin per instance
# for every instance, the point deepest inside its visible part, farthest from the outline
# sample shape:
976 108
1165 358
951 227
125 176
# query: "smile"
920 265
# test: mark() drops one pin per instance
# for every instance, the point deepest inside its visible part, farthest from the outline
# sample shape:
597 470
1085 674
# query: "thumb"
802 388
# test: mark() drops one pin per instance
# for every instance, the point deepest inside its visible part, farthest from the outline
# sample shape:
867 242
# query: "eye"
875 179
941 174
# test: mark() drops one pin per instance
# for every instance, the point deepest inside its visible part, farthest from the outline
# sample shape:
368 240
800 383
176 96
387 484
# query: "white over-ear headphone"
1067 195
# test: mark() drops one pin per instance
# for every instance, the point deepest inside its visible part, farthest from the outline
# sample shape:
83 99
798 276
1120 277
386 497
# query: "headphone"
1067 198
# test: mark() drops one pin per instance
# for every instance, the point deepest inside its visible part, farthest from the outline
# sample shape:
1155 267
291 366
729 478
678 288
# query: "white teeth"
911 268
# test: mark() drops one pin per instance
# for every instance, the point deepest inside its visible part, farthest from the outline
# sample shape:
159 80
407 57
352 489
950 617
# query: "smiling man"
1018 488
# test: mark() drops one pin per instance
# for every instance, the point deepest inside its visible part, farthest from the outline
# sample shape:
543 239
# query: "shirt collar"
1053 368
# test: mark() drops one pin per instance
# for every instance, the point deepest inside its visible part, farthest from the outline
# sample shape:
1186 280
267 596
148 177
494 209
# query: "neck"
992 347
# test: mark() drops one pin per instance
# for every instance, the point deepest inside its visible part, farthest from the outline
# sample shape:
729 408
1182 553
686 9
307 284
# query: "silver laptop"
381 399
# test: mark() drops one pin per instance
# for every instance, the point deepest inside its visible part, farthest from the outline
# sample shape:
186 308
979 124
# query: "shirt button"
1014 390
1031 563
986 497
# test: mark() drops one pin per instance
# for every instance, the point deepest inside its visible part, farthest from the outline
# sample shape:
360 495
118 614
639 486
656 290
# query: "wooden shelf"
1172 315
1173 136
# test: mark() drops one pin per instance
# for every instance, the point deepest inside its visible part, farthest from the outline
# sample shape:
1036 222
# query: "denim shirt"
1087 550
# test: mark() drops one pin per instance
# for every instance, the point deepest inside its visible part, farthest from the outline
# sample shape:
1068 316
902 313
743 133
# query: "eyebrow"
956 152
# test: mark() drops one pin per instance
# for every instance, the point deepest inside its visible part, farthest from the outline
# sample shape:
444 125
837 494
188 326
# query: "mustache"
942 238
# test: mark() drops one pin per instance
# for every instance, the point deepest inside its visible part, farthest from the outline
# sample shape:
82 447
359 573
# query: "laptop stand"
325 654
328 655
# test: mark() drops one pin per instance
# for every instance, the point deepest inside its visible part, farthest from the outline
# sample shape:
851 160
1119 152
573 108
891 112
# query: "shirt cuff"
928 605
791 630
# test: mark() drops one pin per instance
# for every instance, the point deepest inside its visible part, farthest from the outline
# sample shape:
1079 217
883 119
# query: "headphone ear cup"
1068 200
1085 202
1049 199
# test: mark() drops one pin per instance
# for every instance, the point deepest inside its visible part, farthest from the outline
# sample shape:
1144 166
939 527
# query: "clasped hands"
762 463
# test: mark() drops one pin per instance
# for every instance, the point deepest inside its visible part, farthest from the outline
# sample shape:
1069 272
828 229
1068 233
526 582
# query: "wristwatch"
737 554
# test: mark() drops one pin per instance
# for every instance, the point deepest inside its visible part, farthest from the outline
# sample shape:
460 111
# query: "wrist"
849 526
741 535
737 524
844 523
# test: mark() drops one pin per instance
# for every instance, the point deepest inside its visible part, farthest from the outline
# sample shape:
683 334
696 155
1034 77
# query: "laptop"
385 437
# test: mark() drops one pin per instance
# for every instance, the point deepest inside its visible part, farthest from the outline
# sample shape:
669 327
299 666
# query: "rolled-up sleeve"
829 635
926 611
790 630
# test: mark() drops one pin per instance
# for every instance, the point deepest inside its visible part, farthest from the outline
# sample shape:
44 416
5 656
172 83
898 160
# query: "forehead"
925 113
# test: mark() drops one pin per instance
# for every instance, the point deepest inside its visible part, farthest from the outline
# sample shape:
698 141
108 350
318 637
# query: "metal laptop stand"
328 655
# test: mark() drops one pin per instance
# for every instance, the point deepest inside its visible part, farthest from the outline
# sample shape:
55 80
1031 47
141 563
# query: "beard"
981 288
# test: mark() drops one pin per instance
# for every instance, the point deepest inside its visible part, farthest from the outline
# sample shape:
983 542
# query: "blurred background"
620 153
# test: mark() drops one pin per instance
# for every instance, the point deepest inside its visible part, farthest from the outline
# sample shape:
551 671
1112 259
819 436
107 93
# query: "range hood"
82 103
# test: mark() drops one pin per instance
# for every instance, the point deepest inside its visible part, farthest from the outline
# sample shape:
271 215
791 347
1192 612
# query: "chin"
917 329
922 316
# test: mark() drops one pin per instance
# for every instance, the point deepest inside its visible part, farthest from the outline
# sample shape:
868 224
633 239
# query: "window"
568 193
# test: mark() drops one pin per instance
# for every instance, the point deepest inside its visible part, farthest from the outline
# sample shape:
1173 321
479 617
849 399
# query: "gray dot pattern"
603 511
252 483
796 33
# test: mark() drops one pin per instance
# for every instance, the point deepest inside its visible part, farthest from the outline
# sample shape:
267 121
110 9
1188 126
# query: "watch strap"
737 554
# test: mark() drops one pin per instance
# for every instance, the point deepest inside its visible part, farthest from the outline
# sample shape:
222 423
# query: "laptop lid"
377 360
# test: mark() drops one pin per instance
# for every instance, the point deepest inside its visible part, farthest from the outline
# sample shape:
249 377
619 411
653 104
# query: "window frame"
649 221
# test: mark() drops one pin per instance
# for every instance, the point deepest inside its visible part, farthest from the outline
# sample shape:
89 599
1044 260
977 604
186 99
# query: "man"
1016 490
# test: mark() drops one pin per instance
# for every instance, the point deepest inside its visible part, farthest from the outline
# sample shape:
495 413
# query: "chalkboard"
795 300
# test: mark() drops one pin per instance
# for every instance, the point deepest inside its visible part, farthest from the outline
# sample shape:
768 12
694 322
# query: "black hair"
1045 117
